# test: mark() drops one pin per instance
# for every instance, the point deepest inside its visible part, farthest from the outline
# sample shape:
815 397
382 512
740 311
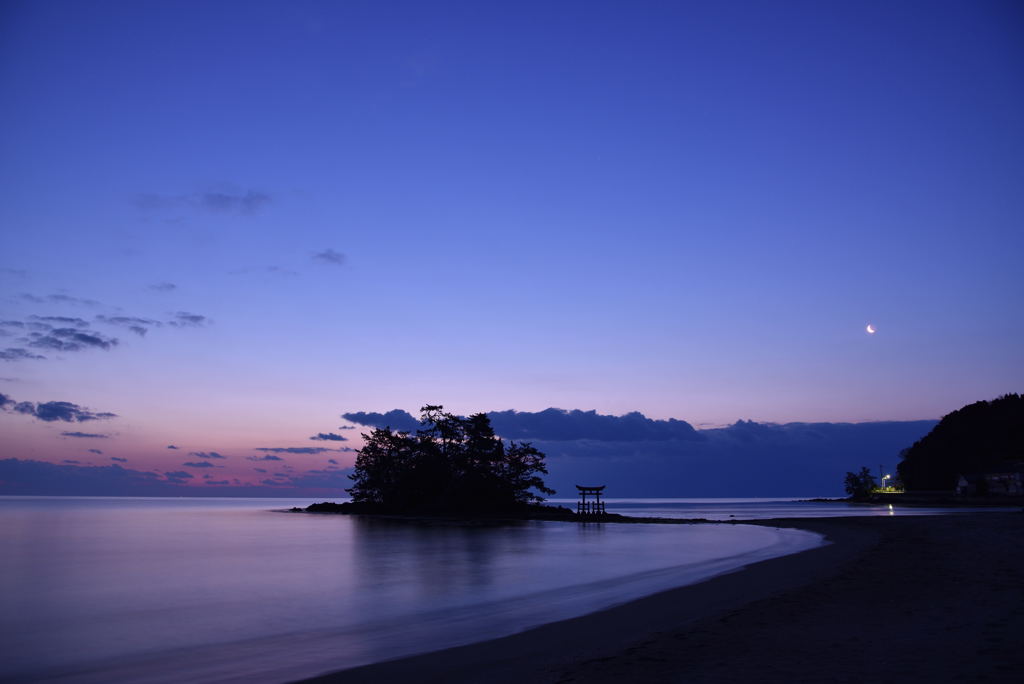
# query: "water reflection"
139 590
440 559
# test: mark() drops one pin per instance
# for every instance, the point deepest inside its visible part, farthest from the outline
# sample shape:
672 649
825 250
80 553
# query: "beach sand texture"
892 599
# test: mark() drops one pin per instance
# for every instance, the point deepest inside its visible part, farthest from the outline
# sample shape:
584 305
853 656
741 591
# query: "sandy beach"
890 599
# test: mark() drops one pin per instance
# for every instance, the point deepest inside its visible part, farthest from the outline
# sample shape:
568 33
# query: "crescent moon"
870 329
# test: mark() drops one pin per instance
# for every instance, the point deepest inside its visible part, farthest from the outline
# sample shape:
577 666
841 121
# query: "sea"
96 589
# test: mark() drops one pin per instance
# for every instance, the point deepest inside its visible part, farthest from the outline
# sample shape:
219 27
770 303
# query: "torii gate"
593 508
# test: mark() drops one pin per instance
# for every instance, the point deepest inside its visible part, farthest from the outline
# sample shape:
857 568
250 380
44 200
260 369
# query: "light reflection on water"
198 589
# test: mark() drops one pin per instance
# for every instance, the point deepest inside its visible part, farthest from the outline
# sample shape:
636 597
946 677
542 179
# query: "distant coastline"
912 499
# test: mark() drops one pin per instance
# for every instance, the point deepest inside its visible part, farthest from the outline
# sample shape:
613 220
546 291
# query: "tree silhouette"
860 485
451 464
981 436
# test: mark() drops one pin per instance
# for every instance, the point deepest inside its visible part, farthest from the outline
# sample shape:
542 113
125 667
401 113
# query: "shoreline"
925 499
911 589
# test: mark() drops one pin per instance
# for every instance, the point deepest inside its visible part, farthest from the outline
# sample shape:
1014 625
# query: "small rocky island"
451 467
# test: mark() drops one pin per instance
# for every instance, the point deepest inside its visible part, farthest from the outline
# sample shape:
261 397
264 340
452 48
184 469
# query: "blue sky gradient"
690 210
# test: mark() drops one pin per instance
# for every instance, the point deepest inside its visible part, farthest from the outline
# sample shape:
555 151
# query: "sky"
690 210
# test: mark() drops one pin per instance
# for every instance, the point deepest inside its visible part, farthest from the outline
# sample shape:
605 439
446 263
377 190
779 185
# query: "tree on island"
860 485
983 436
451 464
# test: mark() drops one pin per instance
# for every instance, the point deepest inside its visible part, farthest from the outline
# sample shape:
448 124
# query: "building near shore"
1005 481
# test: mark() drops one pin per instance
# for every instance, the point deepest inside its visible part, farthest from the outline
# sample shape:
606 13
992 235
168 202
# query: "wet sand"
891 599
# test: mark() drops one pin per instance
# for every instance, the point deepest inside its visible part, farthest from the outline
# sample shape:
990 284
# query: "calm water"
171 590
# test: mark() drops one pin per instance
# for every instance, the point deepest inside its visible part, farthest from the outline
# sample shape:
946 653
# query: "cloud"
39 478
332 461
50 411
69 333
27 477
184 319
171 446
118 458
396 420
95 451
68 299
6 401
18 354
59 299
556 424
330 256
744 459
62 320
71 461
217 482
200 464
293 450
346 427
139 326
336 480
329 437
247 202
267 457
126 320
70 340
260 470
204 454
91 435
162 287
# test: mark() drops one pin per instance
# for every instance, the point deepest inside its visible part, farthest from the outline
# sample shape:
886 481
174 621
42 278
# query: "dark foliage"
860 485
451 464
982 436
